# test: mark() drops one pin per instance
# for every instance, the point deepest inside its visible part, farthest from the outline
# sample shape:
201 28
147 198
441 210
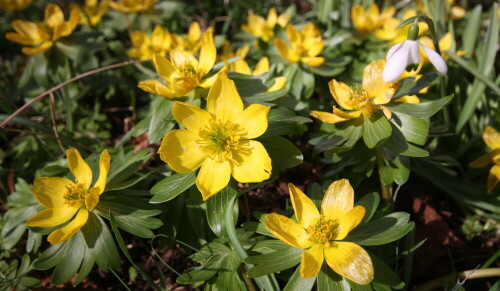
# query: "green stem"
385 189
267 282
491 260
464 275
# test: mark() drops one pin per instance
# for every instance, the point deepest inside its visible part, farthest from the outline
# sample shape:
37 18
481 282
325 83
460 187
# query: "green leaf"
100 243
331 67
86 267
230 281
248 85
296 283
384 274
216 206
415 130
399 145
381 231
217 256
331 281
195 276
370 202
262 98
423 109
283 153
273 262
123 165
162 119
71 260
472 29
376 130
50 257
171 187
408 86
344 136
284 122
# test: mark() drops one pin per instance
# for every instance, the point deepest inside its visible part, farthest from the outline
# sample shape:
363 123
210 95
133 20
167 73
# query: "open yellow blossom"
66 200
366 21
219 140
92 12
39 37
388 31
445 44
262 28
14 5
306 45
373 94
145 47
191 41
321 233
183 73
491 138
129 6
241 66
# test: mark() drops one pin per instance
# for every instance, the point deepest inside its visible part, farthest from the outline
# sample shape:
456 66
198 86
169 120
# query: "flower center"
219 139
78 196
360 100
185 78
323 231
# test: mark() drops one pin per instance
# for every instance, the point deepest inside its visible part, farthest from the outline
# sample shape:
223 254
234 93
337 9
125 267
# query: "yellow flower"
305 45
241 66
183 73
64 198
366 21
373 94
191 41
322 233
92 12
41 36
146 47
129 6
491 138
262 28
14 5
388 31
219 140
456 12
445 44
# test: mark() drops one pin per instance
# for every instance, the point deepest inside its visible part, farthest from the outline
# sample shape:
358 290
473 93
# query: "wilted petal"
436 60
338 200
181 151
287 230
50 191
79 167
214 175
251 162
62 234
311 261
306 212
350 261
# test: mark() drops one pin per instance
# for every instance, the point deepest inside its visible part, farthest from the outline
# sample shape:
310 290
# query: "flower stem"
267 282
386 190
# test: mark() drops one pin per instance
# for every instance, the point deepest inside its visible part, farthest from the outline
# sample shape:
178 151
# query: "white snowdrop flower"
408 52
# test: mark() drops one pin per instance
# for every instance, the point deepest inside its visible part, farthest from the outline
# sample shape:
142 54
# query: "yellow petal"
241 67
163 67
375 85
194 32
493 178
341 93
50 191
155 87
28 33
180 150
223 99
39 49
387 112
52 216
327 117
338 200
250 162
213 177
79 167
311 261
209 82
272 17
491 137
350 221
92 199
346 115
413 99
62 234
53 15
313 61
253 121
262 66
285 51
190 116
481 162
279 83
208 53
180 58
104 162
306 212
350 261
287 230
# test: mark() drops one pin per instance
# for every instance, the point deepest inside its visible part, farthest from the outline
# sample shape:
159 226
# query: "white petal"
435 59
393 49
396 65
414 57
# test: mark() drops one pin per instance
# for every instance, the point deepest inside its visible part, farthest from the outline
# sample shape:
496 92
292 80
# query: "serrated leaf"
376 130
170 187
381 231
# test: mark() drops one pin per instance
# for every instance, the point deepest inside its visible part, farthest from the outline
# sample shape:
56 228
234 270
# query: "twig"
54 123
89 73
468 274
